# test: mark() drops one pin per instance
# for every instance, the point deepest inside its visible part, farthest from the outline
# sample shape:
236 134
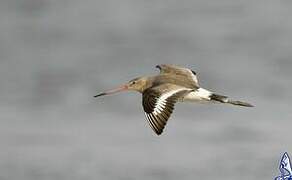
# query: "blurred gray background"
56 54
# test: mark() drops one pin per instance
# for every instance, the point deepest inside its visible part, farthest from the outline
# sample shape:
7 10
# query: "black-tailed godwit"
161 92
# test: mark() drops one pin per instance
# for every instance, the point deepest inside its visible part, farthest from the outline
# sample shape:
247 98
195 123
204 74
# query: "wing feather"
158 104
190 75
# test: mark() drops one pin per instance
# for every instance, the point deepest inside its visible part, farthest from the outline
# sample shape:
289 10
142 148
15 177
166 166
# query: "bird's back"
178 75
179 80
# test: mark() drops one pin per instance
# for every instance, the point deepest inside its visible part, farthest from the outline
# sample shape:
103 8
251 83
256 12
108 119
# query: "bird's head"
137 84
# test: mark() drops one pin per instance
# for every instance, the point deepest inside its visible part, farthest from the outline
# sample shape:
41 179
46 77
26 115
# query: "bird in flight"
161 92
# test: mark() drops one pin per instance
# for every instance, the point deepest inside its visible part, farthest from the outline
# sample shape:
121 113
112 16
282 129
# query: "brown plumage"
161 92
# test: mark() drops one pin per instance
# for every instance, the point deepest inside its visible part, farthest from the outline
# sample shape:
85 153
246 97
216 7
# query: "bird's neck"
147 84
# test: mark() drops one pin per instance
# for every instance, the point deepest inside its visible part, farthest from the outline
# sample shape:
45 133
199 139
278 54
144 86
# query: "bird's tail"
225 99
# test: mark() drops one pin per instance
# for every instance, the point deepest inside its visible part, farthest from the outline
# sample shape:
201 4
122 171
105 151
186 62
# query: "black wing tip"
158 133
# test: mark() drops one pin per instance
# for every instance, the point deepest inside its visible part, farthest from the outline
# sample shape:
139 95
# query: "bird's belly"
200 96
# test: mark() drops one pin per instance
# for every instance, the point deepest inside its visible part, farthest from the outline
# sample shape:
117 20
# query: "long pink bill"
112 91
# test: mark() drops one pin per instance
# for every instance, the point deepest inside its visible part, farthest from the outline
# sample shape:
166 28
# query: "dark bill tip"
101 94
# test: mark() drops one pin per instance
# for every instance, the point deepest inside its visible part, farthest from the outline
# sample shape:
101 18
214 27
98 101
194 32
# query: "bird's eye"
134 82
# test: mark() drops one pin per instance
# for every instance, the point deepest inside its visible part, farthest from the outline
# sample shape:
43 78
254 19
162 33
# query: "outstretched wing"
179 71
158 104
